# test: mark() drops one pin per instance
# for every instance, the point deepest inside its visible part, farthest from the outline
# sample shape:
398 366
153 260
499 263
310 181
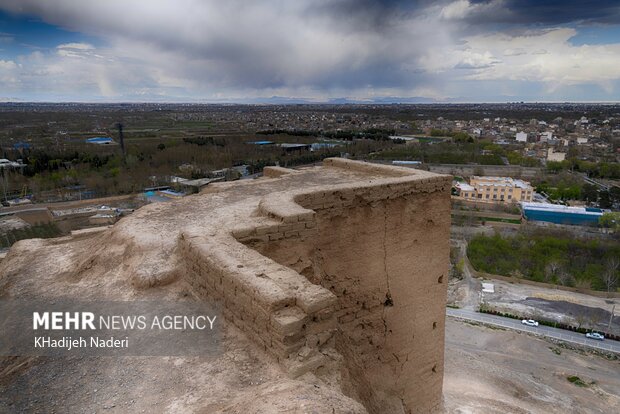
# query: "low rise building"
495 189
557 214
555 156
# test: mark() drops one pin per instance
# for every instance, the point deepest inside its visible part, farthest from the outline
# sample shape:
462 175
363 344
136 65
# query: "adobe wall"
336 270
383 251
291 318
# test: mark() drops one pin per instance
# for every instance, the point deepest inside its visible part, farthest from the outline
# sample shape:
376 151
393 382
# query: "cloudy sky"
241 50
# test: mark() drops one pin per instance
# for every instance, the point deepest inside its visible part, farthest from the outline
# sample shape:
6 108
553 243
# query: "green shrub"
577 381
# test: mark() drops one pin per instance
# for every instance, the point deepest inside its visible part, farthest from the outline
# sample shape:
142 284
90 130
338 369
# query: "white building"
4 163
546 136
555 156
521 136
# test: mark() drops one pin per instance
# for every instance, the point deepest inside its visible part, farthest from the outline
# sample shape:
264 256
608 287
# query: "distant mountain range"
282 100
274 100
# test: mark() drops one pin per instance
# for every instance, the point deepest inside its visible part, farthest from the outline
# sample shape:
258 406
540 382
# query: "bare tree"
580 318
551 270
610 277
564 278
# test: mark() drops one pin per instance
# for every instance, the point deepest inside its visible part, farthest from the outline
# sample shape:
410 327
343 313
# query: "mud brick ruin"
338 268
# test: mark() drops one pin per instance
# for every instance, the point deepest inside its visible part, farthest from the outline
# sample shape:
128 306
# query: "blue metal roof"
261 142
553 213
22 145
99 139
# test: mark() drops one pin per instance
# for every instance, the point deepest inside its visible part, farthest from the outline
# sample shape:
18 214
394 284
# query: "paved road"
62 205
546 331
596 183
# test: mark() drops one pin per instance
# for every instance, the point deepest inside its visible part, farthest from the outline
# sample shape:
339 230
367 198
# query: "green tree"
614 193
589 193
605 199
610 221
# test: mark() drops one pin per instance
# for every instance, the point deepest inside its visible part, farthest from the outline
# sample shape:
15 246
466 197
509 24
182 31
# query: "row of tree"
610 170
376 134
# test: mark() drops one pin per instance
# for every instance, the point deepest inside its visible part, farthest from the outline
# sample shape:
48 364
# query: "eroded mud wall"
386 261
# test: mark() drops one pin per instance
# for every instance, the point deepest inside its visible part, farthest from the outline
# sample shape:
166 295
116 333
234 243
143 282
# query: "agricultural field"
188 142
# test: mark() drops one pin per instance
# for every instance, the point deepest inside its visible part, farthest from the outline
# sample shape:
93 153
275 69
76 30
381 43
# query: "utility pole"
121 138
611 317
4 184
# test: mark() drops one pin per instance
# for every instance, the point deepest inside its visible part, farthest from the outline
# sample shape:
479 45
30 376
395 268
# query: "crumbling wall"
387 261
291 318
383 251
340 266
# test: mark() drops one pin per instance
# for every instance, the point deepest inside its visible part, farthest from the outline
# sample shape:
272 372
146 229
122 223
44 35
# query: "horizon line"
353 102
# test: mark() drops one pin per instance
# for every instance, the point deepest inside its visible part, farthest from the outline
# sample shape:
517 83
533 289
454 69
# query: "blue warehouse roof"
99 140
553 213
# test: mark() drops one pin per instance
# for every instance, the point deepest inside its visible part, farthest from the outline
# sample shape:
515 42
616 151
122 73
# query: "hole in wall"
434 369
434 325
440 280
388 300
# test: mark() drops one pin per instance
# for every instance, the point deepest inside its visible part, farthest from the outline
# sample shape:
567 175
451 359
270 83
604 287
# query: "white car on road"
529 322
595 335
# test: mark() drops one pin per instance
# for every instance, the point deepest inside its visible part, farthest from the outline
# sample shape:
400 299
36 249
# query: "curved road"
546 331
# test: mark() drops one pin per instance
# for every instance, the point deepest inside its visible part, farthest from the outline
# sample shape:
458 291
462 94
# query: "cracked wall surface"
383 252
337 268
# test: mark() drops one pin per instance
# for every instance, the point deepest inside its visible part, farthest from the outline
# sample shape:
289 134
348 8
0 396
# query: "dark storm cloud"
365 15
544 12
269 44
237 47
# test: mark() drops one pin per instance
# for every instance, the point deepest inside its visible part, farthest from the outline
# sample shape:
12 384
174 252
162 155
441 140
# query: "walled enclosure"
339 270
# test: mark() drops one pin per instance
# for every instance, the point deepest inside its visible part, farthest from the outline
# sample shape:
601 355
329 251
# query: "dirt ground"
487 371
240 380
8 223
496 371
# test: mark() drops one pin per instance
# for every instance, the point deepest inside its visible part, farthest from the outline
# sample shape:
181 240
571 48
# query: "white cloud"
463 9
560 63
7 65
77 46
514 52
476 60
456 10
9 75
